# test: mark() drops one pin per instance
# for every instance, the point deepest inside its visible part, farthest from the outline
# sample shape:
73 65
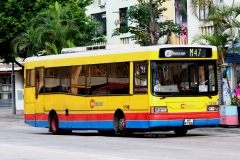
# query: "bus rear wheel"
180 131
54 124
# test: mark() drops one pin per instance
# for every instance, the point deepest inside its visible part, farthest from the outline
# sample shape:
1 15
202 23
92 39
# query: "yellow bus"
122 89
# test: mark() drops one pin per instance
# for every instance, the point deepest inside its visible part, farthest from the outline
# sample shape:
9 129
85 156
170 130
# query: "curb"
7 113
221 129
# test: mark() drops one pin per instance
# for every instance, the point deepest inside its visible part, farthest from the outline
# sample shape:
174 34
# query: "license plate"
188 122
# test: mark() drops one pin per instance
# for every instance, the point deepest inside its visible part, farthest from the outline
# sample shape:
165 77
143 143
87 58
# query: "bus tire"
54 124
180 131
122 127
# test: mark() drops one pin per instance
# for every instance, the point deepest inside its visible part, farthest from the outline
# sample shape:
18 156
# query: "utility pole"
13 90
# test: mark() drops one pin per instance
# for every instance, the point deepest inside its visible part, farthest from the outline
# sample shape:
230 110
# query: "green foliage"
15 16
219 40
202 4
147 29
234 101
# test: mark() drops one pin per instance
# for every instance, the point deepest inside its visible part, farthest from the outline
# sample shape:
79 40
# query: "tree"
15 16
147 28
49 32
197 5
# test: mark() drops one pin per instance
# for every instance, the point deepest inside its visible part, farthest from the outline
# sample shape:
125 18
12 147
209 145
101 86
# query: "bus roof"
115 49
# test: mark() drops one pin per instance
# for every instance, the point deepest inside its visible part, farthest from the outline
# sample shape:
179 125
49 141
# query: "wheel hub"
121 124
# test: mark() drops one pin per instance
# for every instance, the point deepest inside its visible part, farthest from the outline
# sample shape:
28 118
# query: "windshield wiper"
210 97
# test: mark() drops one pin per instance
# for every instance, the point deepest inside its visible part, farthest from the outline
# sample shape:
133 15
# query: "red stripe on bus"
129 116
29 116
41 117
183 116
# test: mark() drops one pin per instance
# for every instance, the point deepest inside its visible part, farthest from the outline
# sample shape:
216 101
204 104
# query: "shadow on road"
135 135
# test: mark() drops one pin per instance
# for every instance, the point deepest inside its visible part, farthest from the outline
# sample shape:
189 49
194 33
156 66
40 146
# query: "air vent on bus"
96 47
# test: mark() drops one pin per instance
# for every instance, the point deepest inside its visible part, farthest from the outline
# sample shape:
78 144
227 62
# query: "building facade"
112 14
6 85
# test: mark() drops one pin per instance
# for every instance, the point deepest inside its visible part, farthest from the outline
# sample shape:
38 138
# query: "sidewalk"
7 113
221 129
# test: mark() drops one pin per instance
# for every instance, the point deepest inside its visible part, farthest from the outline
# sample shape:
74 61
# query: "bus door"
39 96
139 100
29 97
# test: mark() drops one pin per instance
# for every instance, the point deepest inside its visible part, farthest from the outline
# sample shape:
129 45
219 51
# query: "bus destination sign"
185 52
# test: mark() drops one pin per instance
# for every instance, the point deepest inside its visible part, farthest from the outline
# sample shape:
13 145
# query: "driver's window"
201 75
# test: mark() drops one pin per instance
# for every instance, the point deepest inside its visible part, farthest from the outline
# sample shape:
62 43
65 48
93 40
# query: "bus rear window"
30 78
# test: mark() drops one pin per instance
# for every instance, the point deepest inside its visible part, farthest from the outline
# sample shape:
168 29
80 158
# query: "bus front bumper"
184 119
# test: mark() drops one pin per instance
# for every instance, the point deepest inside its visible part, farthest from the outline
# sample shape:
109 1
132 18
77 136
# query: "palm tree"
49 32
219 41
26 44
199 4
55 29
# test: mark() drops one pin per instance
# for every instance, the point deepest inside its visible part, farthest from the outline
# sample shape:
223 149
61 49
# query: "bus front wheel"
122 127
180 131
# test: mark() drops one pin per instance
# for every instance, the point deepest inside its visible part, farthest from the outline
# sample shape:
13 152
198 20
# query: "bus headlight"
212 108
158 109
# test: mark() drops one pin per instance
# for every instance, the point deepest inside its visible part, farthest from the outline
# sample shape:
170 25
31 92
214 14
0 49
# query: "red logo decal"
182 106
91 105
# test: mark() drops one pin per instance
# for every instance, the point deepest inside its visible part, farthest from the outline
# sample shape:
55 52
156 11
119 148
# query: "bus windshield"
187 78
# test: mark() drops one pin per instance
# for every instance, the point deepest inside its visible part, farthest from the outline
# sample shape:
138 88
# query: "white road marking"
62 152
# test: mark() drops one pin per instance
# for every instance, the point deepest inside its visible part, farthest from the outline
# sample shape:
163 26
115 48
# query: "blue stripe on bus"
197 122
204 122
37 123
31 123
86 124
138 124
41 123
130 124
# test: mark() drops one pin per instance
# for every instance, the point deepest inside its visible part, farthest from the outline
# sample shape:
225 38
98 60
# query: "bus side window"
98 80
30 78
118 78
78 79
140 77
65 79
39 80
52 80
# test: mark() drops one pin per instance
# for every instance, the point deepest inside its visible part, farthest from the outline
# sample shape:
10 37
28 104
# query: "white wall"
193 24
18 88
111 8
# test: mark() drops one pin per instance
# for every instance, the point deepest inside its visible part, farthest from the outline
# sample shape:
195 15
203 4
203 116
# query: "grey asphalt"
8 114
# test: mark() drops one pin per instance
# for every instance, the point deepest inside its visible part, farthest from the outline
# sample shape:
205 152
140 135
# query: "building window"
180 12
101 19
203 9
122 17
218 1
